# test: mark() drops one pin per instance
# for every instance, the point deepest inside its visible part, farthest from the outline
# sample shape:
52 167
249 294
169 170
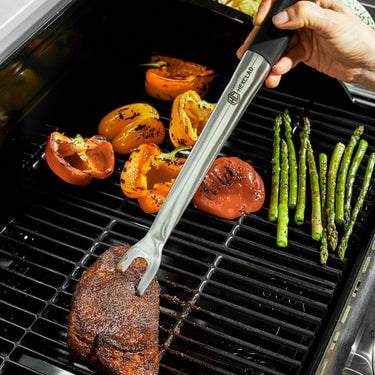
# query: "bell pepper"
149 174
230 189
129 126
188 117
79 160
168 77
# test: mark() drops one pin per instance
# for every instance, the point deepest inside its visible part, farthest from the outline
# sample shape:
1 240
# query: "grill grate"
231 301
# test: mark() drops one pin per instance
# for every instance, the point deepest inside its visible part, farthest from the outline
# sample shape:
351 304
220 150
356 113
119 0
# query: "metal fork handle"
244 84
255 64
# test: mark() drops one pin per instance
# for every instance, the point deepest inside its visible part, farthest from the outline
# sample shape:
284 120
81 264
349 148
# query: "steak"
112 329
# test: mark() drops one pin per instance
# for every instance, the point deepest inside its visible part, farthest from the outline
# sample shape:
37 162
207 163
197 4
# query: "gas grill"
232 302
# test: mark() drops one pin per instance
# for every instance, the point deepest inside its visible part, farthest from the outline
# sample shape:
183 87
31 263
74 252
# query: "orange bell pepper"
129 126
79 160
188 118
149 174
168 77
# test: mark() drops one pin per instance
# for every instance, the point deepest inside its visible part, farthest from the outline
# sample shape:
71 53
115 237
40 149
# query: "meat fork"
246 80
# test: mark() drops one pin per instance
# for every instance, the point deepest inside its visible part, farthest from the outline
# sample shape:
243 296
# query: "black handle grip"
269 41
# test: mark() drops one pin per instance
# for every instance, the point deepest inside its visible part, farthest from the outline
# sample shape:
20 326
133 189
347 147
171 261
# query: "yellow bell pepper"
188 118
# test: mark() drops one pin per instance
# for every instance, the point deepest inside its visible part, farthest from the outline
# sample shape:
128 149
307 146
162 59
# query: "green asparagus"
323 165
343 172
316 207
357 207
361 151
275 179
293 168
299 215
334 164
283 219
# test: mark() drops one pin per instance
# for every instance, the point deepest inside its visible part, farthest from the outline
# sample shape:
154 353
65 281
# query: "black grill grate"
231 302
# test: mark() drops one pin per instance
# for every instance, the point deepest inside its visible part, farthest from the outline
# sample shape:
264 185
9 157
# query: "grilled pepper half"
79 160
188 118
129 126
168 77
149 174
230 189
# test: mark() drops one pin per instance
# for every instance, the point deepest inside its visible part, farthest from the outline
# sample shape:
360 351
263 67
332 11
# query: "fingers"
272 81
262 12
284 65
305 14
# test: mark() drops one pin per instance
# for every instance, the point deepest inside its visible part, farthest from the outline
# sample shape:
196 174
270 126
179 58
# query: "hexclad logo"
233 98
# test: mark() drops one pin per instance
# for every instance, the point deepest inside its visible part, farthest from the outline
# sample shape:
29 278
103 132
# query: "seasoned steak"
112 329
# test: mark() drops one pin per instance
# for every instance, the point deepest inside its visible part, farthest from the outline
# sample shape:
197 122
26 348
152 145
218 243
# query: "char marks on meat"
111 329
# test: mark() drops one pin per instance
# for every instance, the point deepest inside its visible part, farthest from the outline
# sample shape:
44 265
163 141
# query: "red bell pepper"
230 189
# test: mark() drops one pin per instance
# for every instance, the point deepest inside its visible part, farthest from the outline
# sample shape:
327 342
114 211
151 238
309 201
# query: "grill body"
231 301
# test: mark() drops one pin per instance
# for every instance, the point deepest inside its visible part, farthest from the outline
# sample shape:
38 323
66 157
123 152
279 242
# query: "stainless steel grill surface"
231 301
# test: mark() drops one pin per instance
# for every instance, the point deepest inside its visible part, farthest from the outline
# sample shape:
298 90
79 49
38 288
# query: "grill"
231 301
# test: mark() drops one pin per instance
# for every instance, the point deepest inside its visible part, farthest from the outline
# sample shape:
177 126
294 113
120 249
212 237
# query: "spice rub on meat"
111 329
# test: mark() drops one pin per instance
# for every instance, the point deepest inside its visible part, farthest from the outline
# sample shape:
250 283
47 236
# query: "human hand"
329 37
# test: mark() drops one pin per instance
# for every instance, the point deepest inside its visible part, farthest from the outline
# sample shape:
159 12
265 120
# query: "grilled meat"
112 329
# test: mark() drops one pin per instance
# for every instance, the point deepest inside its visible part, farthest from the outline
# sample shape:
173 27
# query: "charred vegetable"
168 77
129 126
148 175
79 160
292 160
343 172
283 220
316 207
230 189
323 167
360 153
188 118
333 169
299 215
273 211
357 207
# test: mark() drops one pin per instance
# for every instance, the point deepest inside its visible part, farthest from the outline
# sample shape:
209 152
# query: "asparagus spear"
293 168
358 206
343 172
334 164
299 215
283 219
323 165
273 210
361 150
316 207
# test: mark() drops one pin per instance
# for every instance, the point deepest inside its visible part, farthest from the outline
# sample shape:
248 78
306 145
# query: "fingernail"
280 18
